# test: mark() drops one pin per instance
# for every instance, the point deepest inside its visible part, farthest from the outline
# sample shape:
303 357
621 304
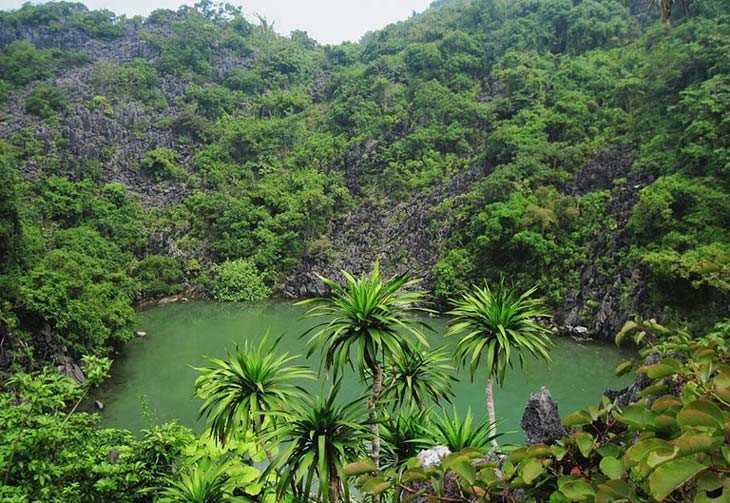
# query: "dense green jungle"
573 155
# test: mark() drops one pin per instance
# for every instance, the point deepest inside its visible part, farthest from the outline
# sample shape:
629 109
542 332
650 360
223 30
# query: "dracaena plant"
322 435
457 433
498 323
208 481
367 324
405 433
418 375
239 391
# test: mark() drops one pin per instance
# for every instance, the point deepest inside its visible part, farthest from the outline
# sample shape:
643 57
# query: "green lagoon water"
152 378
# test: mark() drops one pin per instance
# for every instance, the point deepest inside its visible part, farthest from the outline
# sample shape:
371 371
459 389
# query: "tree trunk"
334 488
490 410
372 403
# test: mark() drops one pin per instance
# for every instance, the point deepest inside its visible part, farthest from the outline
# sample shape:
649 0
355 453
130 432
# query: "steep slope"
578 146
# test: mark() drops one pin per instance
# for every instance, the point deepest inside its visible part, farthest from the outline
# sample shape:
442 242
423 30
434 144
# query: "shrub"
45 101
238 280
161 164
158 276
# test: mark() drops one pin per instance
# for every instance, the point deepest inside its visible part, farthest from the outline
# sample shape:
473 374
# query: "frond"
236 392
417 375
368 323
321 433
498 322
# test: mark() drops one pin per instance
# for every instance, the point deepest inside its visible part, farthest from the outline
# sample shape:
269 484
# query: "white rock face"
433 456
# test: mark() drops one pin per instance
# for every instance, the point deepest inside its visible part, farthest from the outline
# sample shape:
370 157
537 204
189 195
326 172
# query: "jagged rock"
397 234
602 303
73 371
541 419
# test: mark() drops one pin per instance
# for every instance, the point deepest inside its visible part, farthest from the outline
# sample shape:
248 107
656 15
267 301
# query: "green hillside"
579 146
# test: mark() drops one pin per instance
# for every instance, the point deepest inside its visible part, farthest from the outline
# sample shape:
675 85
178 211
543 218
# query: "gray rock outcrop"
541 419
601 302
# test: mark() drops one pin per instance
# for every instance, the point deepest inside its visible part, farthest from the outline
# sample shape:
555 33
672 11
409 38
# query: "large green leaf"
638 417
518 455
609 450
666 403
413 474
666 367
578 418
539 450
463 468
576 489
654 389
722 378
672 475
375 485
722 392
615 490
584 441
625 331
661 455
623 368
358 468
692 443
612 467
533 469
641 449
701 413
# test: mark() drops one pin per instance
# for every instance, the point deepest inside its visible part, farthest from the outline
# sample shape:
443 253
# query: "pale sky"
327 21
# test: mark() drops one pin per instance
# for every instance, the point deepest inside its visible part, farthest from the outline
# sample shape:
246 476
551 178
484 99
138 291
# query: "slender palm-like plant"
457 434
205 482
366 316
238 393
323 436
417 375
403 434
498 323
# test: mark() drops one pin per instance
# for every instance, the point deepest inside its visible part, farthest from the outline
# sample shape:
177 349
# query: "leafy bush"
161 164
49 452
158 276
45 101
82 290
100 23
21 63
238 280
669 445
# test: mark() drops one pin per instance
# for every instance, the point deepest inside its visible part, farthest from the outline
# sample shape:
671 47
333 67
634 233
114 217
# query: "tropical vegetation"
670 444
367 317
575 152
500 324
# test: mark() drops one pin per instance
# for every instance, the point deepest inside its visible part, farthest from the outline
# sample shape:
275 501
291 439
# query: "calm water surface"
152 379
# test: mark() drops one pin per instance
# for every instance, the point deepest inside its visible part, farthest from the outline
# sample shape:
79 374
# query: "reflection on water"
152 379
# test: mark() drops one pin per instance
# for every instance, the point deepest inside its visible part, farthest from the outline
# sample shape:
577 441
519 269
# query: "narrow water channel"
152 379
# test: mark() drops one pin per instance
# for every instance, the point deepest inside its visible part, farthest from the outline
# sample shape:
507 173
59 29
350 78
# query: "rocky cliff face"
406 236
602 303
402 235
118 135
